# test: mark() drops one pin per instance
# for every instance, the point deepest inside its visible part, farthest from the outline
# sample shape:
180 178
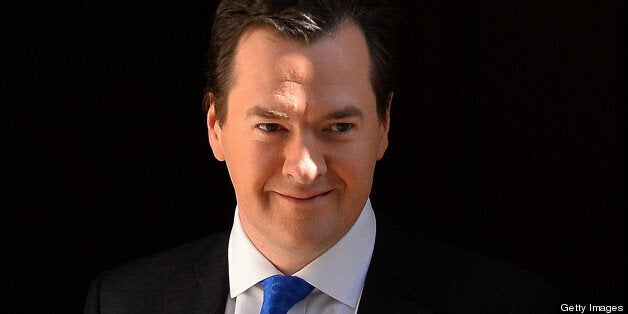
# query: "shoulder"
449 277
152 281
172 261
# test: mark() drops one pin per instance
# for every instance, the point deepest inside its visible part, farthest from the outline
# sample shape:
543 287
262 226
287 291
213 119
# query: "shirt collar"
339 272
247 265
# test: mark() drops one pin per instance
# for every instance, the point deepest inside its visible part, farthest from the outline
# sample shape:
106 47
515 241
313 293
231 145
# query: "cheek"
250 165
354 165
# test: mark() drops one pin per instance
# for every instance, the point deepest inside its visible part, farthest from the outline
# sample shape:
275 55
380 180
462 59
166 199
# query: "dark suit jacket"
407 274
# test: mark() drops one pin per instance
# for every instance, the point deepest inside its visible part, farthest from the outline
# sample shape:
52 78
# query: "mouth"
304 198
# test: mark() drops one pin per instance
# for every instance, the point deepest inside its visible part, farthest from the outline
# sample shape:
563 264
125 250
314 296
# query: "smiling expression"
301 136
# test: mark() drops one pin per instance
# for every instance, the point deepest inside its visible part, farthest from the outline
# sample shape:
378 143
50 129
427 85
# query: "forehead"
336 67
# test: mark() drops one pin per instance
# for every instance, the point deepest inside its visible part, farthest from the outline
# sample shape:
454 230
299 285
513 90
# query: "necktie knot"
282 292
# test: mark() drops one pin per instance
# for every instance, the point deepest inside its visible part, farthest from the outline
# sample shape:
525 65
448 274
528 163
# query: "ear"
214 130
384 127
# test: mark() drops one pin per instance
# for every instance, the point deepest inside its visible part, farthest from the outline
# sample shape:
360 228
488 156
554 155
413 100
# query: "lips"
304 197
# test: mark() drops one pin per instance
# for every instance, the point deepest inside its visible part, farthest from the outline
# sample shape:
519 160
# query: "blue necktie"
282 292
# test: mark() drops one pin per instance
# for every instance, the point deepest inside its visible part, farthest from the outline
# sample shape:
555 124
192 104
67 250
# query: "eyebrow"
278 114
346 112
270 113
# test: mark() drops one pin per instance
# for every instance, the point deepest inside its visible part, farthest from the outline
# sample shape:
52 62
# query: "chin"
311 236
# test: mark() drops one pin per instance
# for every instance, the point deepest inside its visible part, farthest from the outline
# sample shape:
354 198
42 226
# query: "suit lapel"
392 274
212 273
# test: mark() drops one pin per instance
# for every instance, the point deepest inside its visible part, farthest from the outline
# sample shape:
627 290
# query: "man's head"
303 130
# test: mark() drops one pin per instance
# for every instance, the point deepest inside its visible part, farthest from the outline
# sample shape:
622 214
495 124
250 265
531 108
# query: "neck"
287 260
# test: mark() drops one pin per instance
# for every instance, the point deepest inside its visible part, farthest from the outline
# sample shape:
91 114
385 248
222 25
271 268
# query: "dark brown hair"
306 22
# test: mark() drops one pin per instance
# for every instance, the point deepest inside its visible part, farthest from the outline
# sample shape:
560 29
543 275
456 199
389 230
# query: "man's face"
301 136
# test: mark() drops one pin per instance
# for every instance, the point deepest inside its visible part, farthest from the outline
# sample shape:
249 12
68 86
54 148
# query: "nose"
304 159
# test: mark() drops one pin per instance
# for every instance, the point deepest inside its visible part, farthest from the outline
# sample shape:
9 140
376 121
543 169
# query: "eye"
341 127
269 127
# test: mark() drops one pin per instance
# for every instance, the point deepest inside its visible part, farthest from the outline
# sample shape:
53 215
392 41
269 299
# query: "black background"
506 139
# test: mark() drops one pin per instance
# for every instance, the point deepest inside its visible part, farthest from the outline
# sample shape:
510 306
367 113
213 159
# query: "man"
298 104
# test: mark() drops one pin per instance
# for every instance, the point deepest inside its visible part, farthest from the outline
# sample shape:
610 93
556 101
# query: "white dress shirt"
337 275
